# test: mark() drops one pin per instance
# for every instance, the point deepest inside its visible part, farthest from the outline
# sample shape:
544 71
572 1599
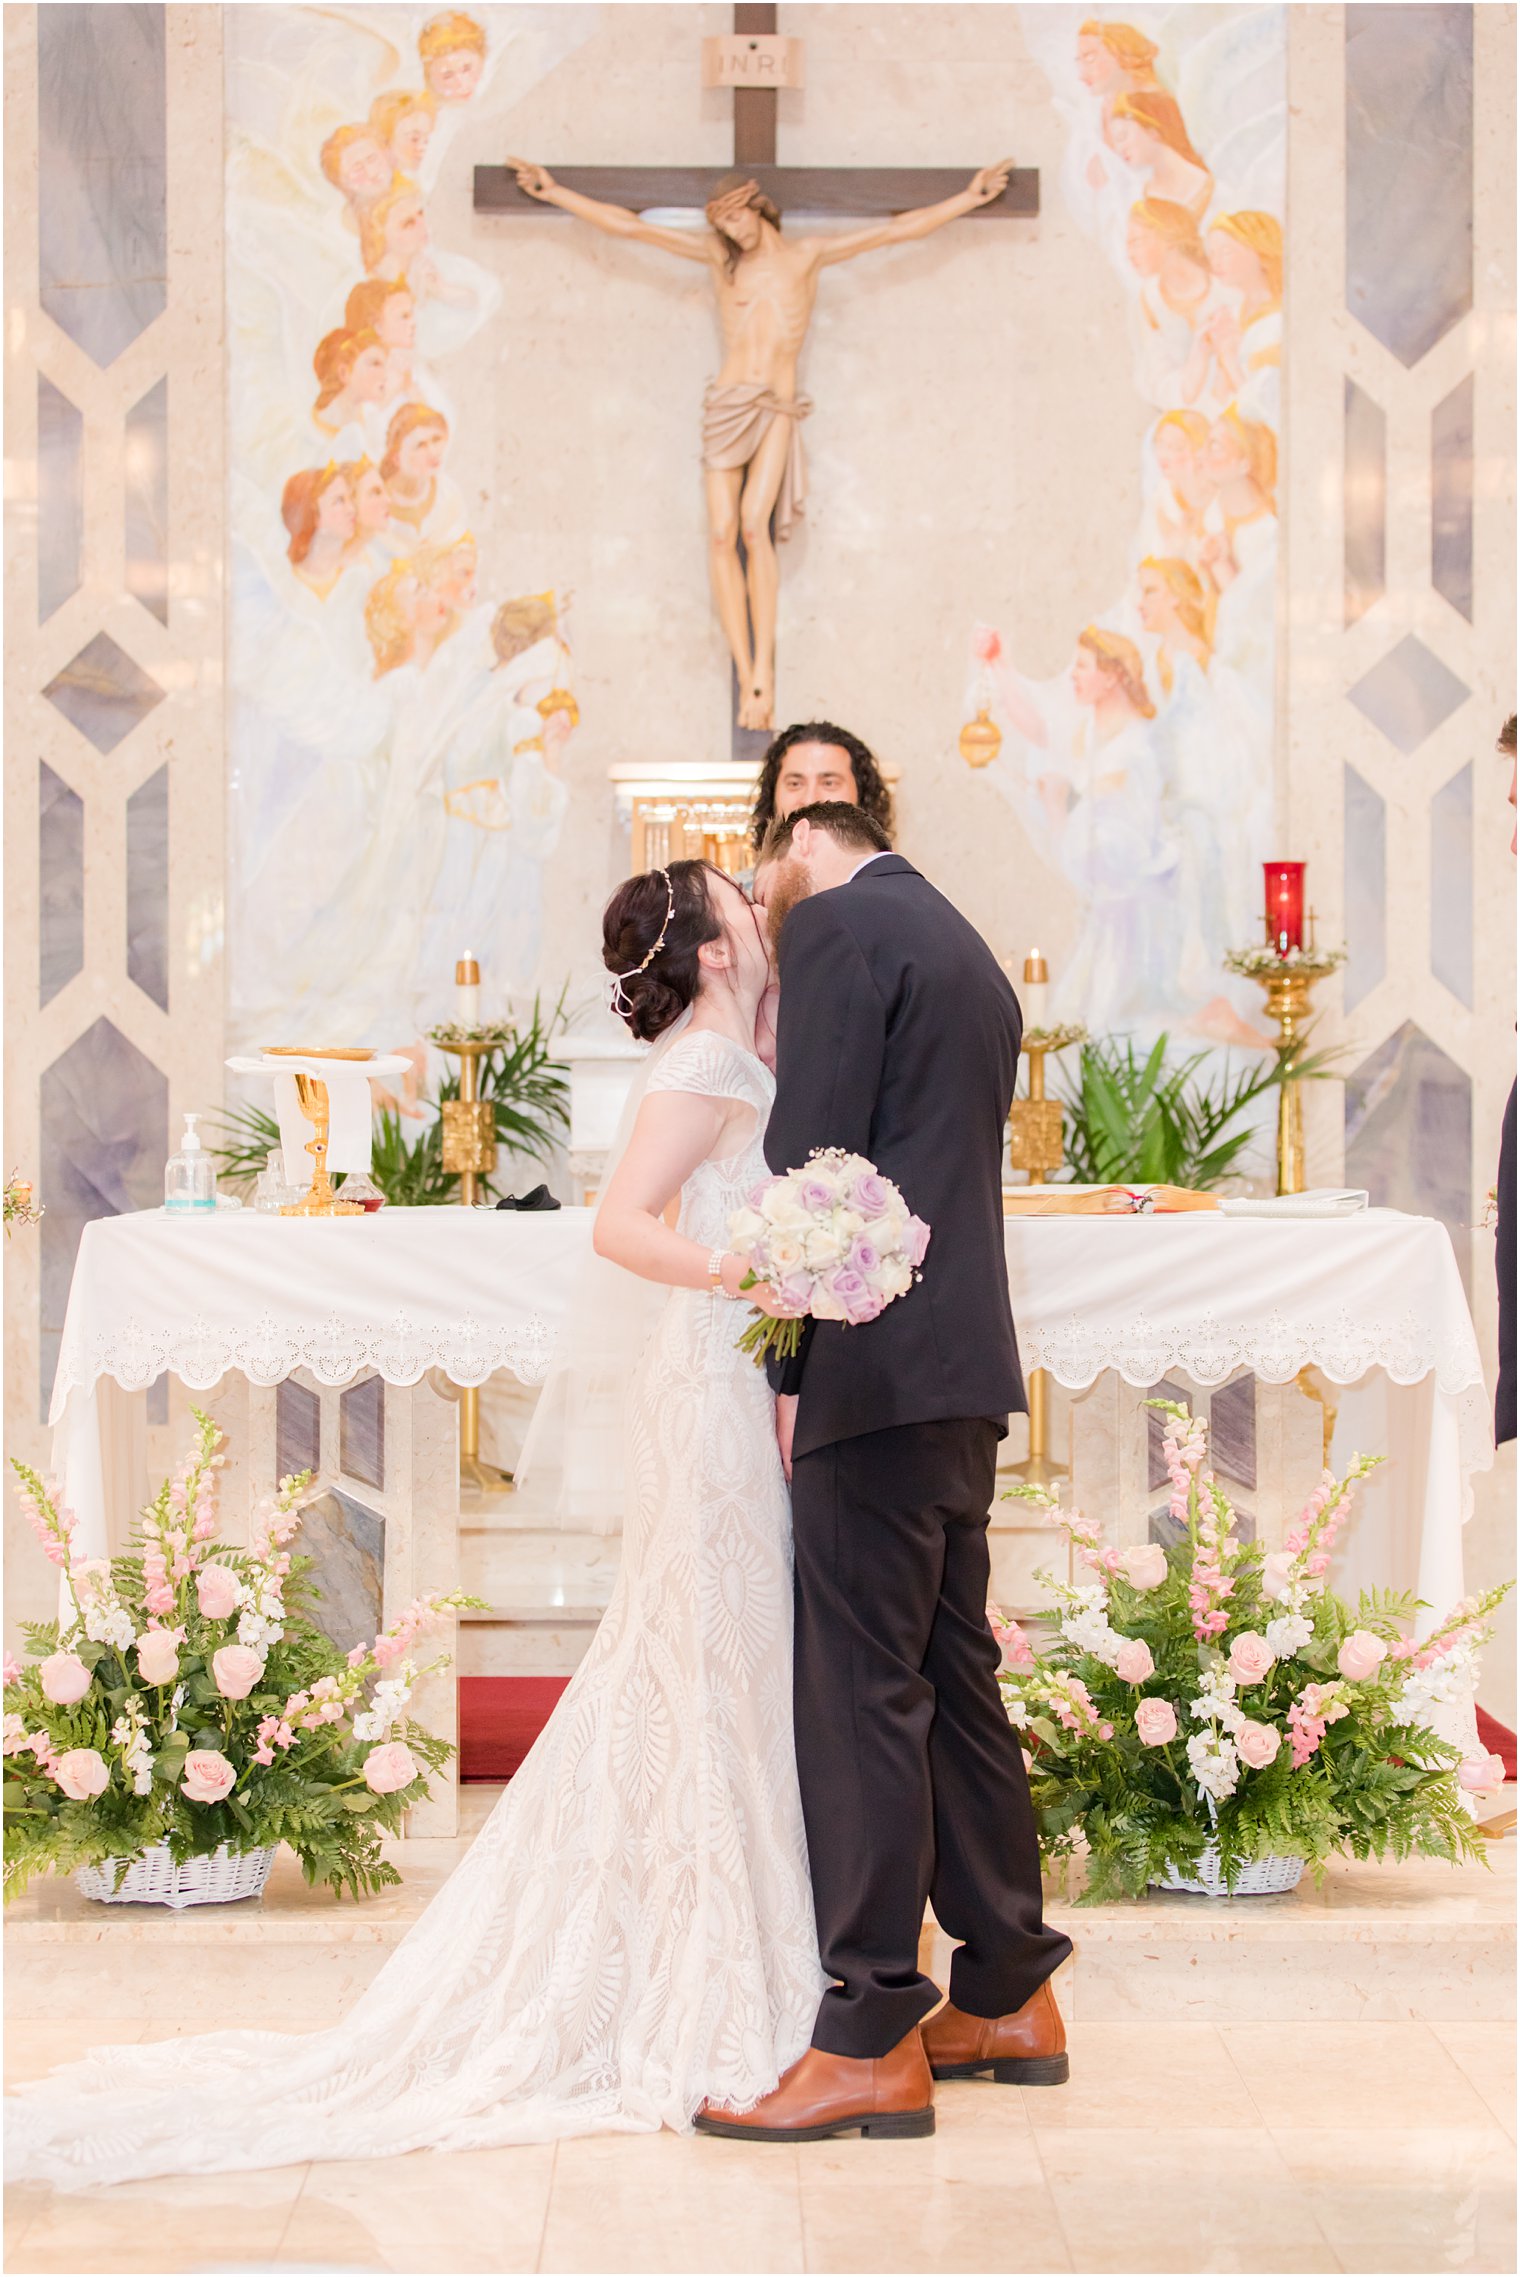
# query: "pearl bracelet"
715 1273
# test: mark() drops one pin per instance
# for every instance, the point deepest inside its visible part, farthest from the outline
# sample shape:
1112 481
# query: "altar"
396 1308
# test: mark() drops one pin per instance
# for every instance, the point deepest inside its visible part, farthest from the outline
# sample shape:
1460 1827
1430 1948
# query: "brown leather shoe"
1027 2049
822 2095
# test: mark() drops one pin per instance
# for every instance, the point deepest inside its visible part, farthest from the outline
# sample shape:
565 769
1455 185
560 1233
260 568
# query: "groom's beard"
789 884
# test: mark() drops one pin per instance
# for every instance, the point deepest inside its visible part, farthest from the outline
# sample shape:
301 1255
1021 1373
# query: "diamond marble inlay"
60 498
103 692
1409 171
1409 1132
145 468
104 1140
1408 694
102 172
1365 837
1451 885
148 887
346 1541
1366 501
1451 497
60 877
361 1431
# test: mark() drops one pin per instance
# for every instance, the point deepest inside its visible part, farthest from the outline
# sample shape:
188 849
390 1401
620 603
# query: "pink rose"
1257 1744
1275 1568
209 1777
816 1194
82 1773
1251 1658
216 1590
389 1768
1480 1774
1361 1656
915 1240
865 1257
64 1678
236 1669
158 1656
1144 1565
1133 1662
1155 1722
871 1195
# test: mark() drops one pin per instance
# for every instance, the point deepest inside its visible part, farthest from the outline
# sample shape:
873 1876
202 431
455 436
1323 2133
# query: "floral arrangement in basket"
835 1240
186 1697
1209 1707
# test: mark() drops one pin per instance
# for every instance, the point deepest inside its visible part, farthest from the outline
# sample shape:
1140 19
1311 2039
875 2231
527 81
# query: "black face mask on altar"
539 1199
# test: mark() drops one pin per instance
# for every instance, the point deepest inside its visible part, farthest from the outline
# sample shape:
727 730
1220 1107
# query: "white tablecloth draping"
470 1292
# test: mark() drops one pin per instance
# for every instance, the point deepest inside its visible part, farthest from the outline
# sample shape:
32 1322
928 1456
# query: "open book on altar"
1171 1201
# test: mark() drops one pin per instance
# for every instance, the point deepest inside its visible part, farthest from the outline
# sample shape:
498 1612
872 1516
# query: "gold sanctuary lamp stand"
321 1202
469 1148
1288 983
1035 1145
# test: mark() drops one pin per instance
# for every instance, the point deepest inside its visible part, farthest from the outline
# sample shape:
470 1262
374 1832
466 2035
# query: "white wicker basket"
1264 1877
154 1879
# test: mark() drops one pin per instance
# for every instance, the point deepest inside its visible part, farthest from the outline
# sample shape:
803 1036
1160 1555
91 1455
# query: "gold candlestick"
1036 1145
321 1202
1288 982
469 1149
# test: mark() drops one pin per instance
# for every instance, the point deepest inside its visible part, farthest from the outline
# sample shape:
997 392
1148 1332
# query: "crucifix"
765 285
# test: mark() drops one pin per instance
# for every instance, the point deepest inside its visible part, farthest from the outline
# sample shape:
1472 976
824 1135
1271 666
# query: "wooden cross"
828 191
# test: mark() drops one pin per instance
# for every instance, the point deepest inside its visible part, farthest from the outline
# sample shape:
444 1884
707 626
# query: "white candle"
1033 992
467 990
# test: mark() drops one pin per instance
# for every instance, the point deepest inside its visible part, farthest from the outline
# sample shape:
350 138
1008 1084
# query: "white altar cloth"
472 1291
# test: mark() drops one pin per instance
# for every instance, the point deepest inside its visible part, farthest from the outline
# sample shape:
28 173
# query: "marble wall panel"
102 178
1451 884
347 1542
1365 887
1409 1132
361 1432
1451 495
148 887
60 865
1409 171
60 497
297 1429
145 469
104 692
1366 501
104 1141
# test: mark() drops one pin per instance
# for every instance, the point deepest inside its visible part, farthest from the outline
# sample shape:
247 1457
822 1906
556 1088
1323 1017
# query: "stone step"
1417 1941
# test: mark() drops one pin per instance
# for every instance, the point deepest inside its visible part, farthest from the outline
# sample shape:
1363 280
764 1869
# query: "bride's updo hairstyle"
652 929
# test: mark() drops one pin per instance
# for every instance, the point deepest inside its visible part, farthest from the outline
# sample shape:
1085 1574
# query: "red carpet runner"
499 1719
501 1716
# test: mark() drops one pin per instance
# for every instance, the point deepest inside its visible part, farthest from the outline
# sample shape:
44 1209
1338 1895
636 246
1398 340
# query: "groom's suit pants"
913 1782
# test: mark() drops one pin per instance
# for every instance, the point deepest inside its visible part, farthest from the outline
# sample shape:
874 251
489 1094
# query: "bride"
632 1933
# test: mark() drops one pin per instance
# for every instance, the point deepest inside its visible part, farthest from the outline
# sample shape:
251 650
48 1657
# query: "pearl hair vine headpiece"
618 999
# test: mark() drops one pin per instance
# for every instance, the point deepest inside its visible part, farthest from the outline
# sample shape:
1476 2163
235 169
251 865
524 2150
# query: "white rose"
848 1223
784 1252
826 1306
894 1277
822 1248
884 1233
745 1227
780 1207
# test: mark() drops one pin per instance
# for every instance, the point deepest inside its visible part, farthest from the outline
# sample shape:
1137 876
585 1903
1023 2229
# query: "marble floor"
1318 2083
1176 2146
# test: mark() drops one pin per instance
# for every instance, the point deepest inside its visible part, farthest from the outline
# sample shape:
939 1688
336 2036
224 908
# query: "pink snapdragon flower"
1316 1708
273 1732
1017 1650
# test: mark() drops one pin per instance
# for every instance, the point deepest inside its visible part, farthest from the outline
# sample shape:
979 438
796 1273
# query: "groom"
899 1040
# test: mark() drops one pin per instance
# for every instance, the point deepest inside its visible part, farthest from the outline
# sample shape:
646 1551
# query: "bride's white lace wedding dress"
633 1930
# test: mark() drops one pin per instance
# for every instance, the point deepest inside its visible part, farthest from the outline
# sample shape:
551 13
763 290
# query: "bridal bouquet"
1211 1702
834 1239
186 1696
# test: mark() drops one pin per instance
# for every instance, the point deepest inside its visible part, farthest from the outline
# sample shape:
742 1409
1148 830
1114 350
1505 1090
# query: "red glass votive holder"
1285 905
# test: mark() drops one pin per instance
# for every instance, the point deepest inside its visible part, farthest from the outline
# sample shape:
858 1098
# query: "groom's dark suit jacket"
899 1040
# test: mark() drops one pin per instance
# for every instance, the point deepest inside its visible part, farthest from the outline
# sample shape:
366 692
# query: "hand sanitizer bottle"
189 1180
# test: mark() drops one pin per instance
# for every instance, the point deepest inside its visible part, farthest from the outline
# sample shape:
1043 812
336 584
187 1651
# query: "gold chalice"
321 1202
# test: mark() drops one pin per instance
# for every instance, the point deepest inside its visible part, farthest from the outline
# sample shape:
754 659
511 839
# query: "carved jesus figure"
765 287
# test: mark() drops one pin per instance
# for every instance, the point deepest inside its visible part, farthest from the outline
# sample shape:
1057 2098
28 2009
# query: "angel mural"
1144 777
352 560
